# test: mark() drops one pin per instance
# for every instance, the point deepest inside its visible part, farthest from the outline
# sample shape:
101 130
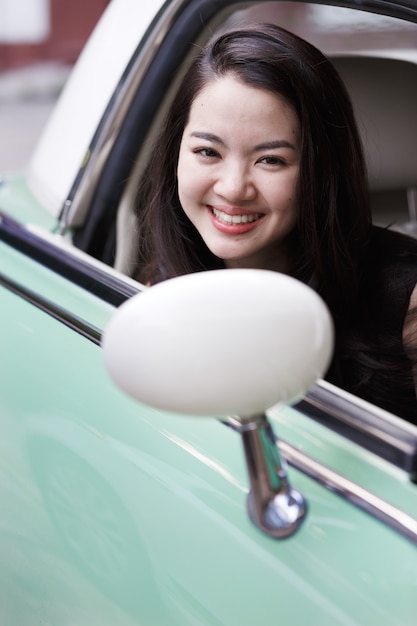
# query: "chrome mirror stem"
274 506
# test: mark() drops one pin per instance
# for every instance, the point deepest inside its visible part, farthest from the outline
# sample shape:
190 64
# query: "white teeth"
235 219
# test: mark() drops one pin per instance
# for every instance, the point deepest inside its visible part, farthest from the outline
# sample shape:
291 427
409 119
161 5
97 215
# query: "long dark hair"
364 274
334 218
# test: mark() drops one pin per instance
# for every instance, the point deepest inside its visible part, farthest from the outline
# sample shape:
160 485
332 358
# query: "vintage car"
118 508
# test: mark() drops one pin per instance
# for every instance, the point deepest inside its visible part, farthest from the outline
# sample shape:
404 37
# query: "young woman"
260 164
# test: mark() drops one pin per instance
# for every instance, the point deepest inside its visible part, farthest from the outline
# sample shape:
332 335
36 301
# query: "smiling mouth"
235 219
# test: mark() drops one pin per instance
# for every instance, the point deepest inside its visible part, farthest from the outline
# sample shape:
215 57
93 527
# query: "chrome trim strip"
366 416
363 499
383 433
58 255
60 314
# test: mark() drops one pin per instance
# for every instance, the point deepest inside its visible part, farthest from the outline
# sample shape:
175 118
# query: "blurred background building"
40 41
39 31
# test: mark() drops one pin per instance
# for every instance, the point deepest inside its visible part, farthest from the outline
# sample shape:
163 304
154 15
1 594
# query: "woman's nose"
234 183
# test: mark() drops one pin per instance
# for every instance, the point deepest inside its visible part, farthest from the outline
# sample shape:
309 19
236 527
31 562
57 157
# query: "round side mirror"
224 342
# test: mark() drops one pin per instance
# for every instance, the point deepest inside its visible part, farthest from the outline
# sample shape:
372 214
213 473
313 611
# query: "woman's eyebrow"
267 145
207 137
271 145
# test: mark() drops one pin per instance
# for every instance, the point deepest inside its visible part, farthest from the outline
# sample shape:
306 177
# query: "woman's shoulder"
390 271
393 252
391 243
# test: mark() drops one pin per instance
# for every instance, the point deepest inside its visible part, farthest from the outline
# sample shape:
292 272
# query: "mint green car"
123 509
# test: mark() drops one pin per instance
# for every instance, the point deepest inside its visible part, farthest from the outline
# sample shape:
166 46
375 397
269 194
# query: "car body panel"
115 513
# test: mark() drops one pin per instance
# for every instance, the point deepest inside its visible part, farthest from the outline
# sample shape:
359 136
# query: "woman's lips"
234 222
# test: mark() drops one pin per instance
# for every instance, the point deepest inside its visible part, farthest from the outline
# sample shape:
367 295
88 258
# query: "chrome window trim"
376 430
81 326
355 494
58 255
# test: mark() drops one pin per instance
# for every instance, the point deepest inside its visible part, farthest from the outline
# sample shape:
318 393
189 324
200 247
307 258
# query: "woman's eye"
272 160
208 153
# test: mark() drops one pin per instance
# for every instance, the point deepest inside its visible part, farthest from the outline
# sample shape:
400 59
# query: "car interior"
384 93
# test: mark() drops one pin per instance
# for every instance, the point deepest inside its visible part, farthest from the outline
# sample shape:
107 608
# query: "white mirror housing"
223 342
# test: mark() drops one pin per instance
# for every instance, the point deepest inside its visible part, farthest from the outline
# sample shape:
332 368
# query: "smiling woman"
260 165
242 196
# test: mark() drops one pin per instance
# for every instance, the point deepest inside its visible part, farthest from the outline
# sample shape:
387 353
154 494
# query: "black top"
370 359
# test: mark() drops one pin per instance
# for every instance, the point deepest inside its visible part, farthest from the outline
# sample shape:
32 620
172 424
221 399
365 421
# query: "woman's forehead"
227 103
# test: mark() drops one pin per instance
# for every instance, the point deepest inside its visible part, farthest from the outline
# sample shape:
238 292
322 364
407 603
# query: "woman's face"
238 170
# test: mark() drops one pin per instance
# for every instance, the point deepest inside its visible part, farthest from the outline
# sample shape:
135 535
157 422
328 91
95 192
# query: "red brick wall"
71 24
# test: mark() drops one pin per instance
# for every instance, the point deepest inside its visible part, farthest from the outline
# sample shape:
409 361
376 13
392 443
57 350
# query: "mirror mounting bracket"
274 506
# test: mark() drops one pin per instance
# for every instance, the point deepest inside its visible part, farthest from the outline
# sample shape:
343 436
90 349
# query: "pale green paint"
113 513
17 200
